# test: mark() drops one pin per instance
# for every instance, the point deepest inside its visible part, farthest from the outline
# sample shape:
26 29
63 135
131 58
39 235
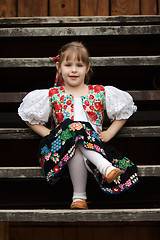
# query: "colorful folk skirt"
58 148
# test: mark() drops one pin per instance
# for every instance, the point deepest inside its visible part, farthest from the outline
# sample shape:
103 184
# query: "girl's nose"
74 69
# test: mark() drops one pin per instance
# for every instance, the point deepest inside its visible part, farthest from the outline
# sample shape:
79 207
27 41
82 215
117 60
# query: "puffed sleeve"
35 107
119 104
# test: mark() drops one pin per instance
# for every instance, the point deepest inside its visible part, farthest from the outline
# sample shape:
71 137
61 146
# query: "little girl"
78 140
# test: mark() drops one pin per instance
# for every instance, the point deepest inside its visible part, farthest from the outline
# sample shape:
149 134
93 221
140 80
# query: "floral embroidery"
116 189
76 126
98 149
41 161
56 169
54 155
66 158
128 183
45 150
66 135
56 145
93 116
63 108
47 157
90 145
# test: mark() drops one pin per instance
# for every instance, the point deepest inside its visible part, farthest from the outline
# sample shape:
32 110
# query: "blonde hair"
81 53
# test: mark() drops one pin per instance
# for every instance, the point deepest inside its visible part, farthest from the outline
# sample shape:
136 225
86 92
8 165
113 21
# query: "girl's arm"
39 129
116 125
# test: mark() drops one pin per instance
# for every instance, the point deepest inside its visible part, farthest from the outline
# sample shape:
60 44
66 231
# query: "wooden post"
8 8
125 7
94 7
148 7
4 231
63 8
32 8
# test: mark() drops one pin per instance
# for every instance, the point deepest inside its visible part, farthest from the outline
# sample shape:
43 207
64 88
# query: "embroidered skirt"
60 145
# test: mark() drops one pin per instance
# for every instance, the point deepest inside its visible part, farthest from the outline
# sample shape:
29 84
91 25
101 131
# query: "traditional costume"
77 120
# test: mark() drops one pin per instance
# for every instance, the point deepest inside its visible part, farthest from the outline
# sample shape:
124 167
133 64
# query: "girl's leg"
102 164
78 174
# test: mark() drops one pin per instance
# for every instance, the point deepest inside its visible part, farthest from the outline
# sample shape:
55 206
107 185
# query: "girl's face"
73 71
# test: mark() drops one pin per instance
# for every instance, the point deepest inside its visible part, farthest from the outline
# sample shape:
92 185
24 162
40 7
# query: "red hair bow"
55 59
58 79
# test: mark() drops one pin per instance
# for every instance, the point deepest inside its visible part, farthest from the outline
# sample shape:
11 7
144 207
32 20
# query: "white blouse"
35 107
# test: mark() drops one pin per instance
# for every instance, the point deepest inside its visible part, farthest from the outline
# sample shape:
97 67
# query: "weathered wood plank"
105 215
36 172
80 31
63 8
141 95
7 8
149 7
4 231
31 8
145 95
94 8
132 132
95 62
125 7
21 172
85 20
13 97
125 132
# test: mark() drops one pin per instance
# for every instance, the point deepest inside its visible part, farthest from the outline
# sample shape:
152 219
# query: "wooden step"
79 31
123 61
125 132
36 172
105 215
83 20
138 95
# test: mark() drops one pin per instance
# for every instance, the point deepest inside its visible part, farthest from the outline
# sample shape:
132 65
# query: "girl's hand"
103 135
116 125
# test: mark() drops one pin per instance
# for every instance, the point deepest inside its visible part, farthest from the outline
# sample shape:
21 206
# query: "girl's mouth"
73 77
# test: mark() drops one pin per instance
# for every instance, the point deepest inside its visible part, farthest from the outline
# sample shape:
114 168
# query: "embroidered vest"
62 105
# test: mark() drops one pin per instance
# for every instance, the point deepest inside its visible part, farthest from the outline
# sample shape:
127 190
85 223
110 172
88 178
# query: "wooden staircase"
126 54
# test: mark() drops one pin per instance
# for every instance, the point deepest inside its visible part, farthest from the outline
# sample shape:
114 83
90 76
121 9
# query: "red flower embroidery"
116 189
90 87
98 88
55 106
69 102
91 97
98 105
86 102
59 117
56 169
42 162
92 115
62 98
60 106
53 91
65 107
91 107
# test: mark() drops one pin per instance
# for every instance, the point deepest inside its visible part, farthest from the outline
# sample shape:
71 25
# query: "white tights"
78 170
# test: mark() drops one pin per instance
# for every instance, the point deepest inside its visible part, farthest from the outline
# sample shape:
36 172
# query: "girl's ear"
88 68
57 66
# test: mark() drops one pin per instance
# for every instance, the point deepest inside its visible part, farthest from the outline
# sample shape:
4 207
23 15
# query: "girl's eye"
80 65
